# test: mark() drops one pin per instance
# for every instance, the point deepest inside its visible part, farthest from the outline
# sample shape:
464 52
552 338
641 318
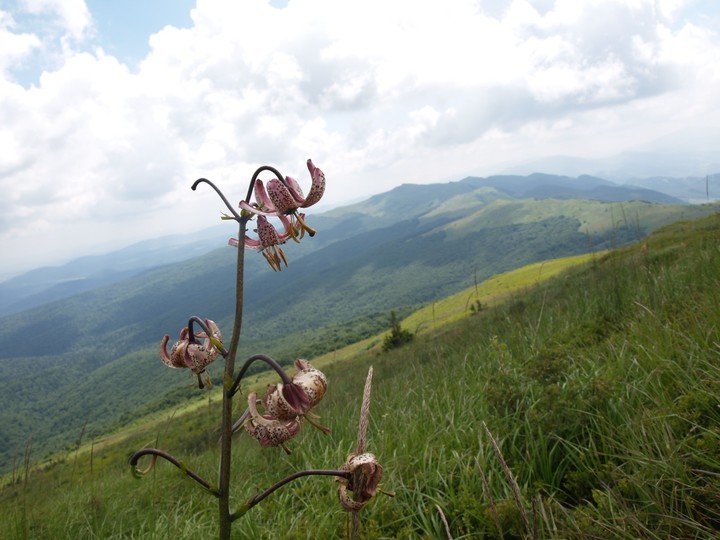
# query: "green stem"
227 417
257 173
277 485
264 358
155 453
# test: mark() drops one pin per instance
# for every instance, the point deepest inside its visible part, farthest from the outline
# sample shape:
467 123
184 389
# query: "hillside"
597 388
43 285
91 359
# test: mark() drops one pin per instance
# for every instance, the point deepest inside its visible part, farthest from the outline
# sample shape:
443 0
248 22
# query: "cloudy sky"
109 110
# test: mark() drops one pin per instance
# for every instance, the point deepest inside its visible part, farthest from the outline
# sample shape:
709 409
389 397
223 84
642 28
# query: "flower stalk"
286 404
227 418
155 453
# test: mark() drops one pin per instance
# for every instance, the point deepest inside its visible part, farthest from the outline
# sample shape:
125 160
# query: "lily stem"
257 173
277 485
268 360
155 453
227 413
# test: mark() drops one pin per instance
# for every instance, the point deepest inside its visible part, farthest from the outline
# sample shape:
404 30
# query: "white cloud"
376 92
72 16
13 46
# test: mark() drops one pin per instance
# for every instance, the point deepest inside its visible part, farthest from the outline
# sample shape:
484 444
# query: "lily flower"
269 241
317 187
366 475
195 355
267 430
287 401
311 380
286 198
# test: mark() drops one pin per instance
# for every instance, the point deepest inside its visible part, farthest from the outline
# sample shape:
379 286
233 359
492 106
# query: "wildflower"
311 380
366 475
286 401
269 241
286 198
187 353
270 431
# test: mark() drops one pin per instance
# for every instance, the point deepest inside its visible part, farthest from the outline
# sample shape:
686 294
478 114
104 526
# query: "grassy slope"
600 387
92 358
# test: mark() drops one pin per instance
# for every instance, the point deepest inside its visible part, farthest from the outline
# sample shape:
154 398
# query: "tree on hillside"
397 336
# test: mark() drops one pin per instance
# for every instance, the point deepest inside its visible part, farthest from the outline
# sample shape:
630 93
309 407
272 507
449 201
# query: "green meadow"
575 398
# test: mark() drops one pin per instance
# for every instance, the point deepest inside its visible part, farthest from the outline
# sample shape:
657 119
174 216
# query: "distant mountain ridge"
548 186
47 284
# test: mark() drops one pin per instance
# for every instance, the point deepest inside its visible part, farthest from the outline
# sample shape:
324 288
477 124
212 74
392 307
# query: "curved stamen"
236 216
179 464
270 361
240 421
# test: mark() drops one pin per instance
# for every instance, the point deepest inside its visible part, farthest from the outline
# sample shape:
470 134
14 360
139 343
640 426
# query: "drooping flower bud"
366 475
284 401
311 380
194 355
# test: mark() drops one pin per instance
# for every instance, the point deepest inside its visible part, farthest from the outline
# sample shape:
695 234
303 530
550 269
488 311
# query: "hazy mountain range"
42 285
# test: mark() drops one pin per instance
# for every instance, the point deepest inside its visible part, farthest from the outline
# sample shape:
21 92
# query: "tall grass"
586 407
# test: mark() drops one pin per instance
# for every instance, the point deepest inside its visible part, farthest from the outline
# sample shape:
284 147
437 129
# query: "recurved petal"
285 401
317 188
311 380
214 330
177 353
262 199
164 356
256 210
281 198
295 189
198 357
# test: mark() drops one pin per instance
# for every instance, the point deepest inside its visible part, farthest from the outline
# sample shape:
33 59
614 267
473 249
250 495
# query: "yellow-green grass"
429 318
453 308
490 292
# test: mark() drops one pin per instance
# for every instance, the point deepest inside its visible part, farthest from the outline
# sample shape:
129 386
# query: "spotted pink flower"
287 401
269 241
286 198
194 355
267 430
366 475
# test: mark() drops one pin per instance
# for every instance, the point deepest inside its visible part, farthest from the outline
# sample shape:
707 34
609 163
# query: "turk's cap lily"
285 401
269 241
295 399
285 197
195 355
366 475
311 380
269 431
